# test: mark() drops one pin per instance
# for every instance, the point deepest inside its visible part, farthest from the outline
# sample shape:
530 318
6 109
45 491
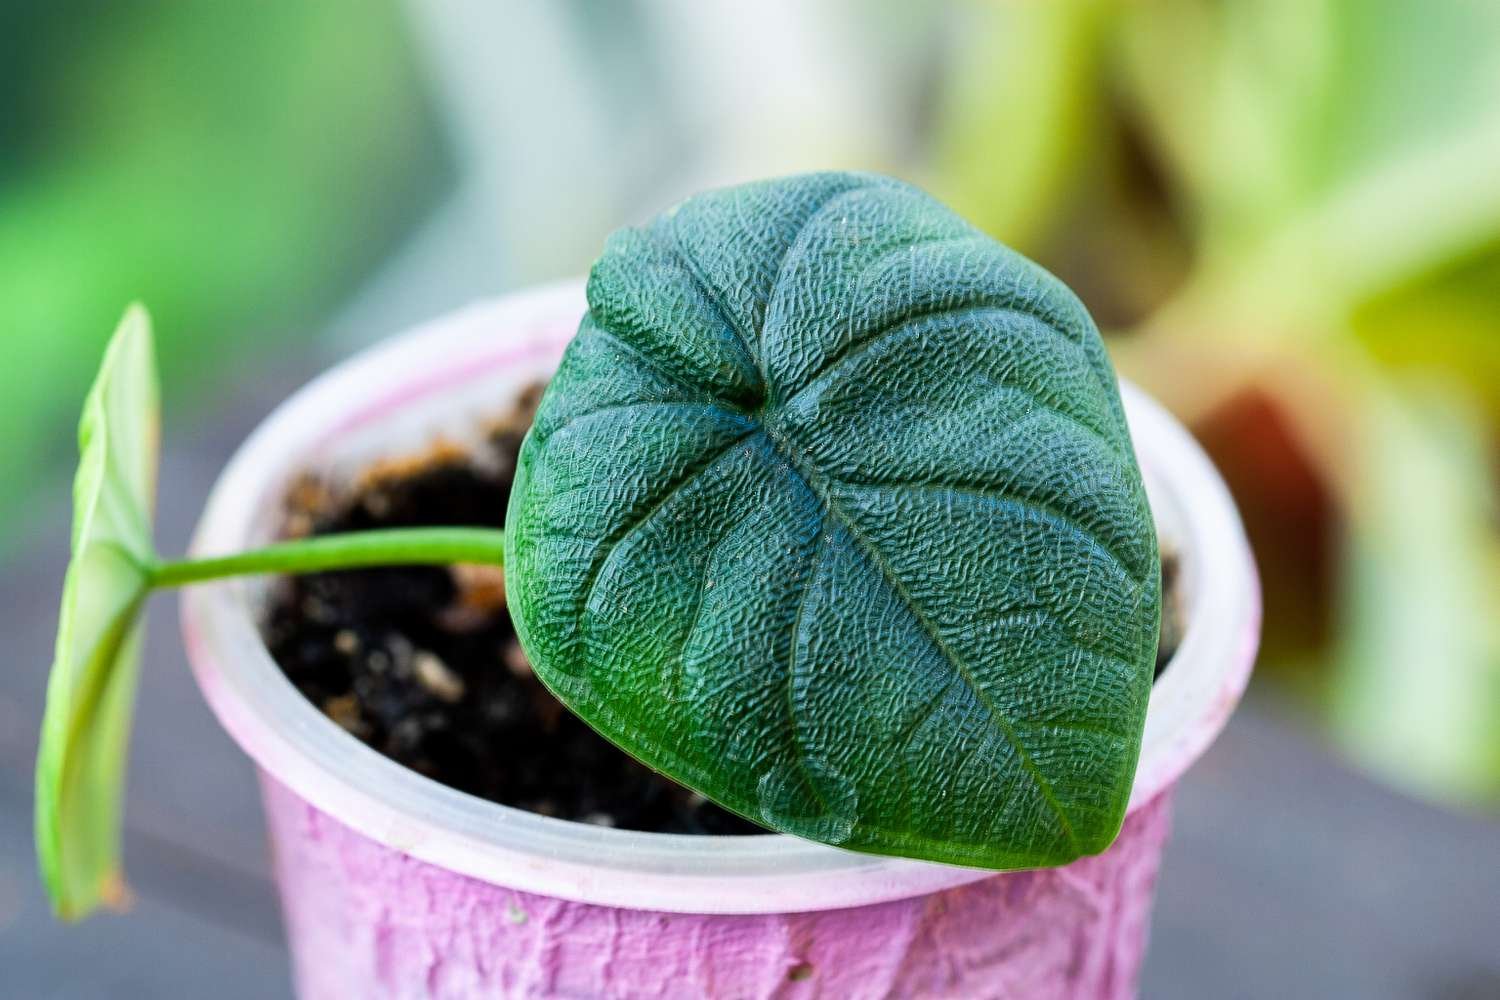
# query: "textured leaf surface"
80 767
831 514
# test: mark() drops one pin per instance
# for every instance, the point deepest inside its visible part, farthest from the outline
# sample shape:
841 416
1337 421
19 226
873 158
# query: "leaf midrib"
818 484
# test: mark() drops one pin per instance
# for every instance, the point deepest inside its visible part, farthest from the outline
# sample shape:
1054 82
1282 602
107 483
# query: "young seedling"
829 513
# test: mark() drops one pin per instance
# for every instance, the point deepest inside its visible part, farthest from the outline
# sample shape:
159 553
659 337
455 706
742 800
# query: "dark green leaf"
831 514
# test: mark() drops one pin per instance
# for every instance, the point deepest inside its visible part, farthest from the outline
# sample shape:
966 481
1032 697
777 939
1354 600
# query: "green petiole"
386 547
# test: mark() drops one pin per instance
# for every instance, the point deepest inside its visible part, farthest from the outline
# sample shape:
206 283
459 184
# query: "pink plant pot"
395 886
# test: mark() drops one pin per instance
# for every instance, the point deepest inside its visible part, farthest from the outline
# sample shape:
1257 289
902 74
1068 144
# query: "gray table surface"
1288 874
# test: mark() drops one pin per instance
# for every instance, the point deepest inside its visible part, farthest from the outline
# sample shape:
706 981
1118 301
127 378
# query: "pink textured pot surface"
393 885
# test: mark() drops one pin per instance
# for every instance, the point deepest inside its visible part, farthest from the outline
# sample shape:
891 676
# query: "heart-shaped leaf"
831 513
81 761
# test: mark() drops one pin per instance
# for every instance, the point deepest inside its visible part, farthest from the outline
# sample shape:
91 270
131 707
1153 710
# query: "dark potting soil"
1173 617
405 658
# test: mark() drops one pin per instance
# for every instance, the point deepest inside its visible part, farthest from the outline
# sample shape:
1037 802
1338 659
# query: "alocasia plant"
830 513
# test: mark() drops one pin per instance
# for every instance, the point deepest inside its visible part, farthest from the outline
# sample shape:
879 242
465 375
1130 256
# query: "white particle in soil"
434 675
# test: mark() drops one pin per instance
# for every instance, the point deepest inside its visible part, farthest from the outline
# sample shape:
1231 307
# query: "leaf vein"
857 347
796 241
1042 509
712 297
799 751
696 615
639 404
654 366
628 529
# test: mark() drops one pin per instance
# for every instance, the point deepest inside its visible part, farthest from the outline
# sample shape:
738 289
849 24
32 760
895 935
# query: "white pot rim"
459 365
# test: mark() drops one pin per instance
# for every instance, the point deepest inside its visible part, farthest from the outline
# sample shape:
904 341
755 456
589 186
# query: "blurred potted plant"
830 512
1286 213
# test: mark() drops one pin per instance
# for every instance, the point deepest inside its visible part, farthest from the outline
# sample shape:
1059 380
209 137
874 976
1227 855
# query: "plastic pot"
394 885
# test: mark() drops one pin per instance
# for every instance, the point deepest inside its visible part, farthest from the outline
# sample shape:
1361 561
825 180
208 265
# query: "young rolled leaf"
831 513
114 567
86 726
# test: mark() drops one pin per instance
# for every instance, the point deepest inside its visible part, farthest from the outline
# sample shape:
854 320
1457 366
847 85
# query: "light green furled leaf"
90 694
1417 694
831 513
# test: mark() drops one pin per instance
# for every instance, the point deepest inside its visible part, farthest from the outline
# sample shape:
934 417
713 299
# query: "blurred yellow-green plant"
1289 210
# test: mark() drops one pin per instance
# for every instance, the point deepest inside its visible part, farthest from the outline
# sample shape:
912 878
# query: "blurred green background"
1285 213
238 167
